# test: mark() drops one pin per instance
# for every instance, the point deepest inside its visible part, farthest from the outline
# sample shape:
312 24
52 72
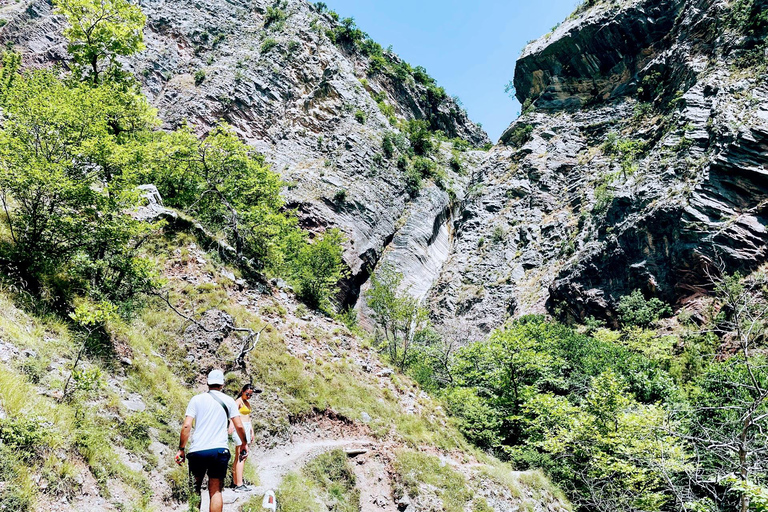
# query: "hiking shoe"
242 488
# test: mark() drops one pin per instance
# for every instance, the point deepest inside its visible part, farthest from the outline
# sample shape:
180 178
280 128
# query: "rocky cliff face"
270 70
640 163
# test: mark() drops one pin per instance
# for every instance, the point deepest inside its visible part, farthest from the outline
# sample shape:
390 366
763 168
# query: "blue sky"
470 47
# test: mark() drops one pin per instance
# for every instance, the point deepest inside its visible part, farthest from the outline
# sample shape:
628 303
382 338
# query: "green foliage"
419 136
135 431
275 16
626 151
616 445
340 196
347 33
360 116
268 44
519 135
318 268
26 434
634 309
70 153
397 314
199 76
478 420
333 473
229 187
498 235
9 72
98 32
533 383
749 17
388 145
328 478
412 181
455 163
603 197
415 469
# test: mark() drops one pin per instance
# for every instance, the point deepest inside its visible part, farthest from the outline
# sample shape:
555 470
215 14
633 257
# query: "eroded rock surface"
641 164
303 101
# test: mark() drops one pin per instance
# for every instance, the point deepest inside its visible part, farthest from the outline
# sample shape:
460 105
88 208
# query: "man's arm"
186 429
238 422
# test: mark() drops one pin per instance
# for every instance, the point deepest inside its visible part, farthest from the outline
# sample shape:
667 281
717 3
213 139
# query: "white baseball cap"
216 378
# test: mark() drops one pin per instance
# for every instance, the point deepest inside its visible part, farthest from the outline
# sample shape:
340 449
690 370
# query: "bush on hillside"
635 309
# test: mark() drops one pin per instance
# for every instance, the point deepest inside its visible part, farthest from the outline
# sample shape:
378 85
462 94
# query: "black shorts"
214 462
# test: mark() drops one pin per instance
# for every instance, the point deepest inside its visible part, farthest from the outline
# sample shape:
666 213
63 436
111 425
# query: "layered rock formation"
639 164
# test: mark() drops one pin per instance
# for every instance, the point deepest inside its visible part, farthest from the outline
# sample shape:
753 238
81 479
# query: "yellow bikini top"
245 410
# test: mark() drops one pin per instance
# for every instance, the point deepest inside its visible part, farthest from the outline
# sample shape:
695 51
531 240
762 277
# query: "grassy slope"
93 443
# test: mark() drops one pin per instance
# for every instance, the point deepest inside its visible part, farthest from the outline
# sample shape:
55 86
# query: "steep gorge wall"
640 163
304 102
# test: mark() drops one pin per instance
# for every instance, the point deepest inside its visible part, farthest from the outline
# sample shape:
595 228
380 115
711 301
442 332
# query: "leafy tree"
319 267
9 72
508 368
728 415
420 137
99 31
616 449
68 154
397 313
227 185
634 309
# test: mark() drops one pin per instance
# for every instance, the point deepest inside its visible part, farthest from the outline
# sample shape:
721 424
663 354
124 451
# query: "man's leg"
214 491
198 486
197 470
217 472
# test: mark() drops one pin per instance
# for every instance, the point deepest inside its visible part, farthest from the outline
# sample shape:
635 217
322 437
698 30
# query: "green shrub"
420 137
199 76
295 494
268 44
347 33
319 267
498 235
603 198
412 182
518 136
334 475
179 481
274 16
340 196
456 164
26 434
135 431
634 309
477 420
388 146
424 166
360 116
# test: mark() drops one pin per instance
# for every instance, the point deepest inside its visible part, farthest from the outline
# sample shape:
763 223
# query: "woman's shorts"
214 462
236 438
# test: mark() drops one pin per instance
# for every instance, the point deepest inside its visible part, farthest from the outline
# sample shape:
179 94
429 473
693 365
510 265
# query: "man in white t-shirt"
209 453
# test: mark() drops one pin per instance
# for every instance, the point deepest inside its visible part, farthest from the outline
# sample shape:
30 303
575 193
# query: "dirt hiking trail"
273 464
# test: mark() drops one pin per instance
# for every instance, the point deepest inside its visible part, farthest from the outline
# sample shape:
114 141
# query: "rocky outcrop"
640 162
640 165
595 56
304 102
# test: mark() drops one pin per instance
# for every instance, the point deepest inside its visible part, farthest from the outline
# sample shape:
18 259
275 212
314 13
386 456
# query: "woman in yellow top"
244 406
